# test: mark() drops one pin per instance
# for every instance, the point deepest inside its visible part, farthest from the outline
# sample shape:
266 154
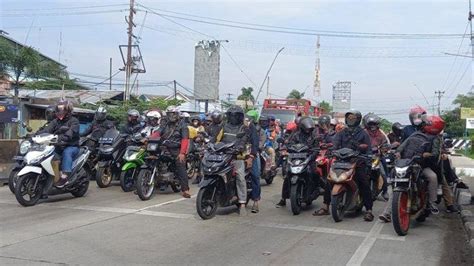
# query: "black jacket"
97 128
66 129
131 128
352 138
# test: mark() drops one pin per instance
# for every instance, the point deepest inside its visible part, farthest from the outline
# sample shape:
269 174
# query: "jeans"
182 175
255 173
432 183
239 166
69 154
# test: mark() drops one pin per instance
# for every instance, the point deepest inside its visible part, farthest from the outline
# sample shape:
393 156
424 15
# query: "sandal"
321 212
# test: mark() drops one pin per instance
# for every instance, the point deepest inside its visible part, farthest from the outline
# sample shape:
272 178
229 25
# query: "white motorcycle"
36 178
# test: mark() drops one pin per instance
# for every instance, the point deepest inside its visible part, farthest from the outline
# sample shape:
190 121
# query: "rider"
177 135
133 123
228 134
215 125
66 127
99 125
396 135
416 121
267 126
355 138
50 115
153 118
196 136
307 135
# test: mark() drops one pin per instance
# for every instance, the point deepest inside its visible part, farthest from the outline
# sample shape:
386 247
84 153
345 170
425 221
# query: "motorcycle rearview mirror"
29 129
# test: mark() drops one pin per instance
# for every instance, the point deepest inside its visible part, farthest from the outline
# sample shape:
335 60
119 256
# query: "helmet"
291 126
202 117
172 113
433 124
415 115
185 115
153 117
100 114
216 116
133 116
355 121
372 121
235 115
64 108
397 128
195 121
307 124
324 120
298 120
333 122
263 121
50 113
253 114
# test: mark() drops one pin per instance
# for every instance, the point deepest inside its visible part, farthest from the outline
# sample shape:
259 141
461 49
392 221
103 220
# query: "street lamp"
268 72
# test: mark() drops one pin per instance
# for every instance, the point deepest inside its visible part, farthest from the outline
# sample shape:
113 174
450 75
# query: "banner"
467 112
8 113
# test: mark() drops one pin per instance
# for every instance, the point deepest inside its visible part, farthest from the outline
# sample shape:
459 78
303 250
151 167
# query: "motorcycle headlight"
107 150
152 146
401 171
24 147
297 169
130 156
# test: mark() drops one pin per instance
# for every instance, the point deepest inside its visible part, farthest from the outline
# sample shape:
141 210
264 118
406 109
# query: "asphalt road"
110 227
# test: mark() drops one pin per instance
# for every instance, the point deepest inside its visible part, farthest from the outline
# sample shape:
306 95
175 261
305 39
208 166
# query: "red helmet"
415 115
291 126
433 124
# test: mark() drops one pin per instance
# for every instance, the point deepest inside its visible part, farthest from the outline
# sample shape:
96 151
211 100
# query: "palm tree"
246 96
295 94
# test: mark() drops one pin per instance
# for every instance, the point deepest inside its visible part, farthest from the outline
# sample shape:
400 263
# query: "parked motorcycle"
410 194
304 184
37 176
158 170
134 157
345 195
110 153
218 187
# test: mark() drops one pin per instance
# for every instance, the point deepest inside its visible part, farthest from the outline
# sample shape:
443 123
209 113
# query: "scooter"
25 145
36 178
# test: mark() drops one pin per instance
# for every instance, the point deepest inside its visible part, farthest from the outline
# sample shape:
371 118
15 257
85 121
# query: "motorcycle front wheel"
145 184
206 206
12 179
103 177
127 181
338 207
25 191
296 193
400 212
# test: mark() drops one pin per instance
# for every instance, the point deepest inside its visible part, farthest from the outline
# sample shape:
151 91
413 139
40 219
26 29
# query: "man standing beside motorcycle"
355 138
228 133
66 127
255 139
176 134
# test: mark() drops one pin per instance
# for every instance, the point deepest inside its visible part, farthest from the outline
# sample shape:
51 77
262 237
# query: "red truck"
287 109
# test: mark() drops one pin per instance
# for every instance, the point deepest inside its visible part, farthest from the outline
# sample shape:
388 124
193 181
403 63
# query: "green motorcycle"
134 157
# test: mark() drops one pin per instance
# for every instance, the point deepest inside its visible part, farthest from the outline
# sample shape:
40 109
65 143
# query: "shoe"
321 212
368 217
451 209
282 203
44 196
385 217
433 208
186 194
385 195
255 208
61 183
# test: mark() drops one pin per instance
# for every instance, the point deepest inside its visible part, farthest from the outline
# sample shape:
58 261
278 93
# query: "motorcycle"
158 170
37 176
409 195
345 195
304 185
134 157
218 187
375 174
267 173
109 157
25 145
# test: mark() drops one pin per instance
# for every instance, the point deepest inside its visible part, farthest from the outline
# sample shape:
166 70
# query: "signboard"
341 96
8 113
470 123
467 112
206 70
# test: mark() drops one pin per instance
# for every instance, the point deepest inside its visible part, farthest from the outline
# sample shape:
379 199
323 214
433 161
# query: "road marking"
166 203
364 248
166 214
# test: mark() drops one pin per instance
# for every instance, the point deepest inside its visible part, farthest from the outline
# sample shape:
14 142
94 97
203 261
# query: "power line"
61 8
455 57
459 81
64 14
63 26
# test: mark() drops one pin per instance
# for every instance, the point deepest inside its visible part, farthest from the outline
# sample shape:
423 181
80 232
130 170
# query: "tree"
327 108
455 126
295 94
246 95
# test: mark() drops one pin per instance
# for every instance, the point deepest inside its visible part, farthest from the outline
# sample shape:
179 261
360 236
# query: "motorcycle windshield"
402 163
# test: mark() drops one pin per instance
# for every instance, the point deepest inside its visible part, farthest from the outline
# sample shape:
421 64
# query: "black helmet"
397 128
64 108
216 117
235 115
307 124
100 114
50 113
263 121
372 121
324 120
353 122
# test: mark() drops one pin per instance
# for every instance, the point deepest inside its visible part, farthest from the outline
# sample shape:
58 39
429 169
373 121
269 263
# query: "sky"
388 75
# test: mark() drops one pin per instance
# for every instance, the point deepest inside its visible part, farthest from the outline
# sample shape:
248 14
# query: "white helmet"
153 114
185 115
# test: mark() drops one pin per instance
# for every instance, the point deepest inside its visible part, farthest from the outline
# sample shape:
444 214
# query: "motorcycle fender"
294 179
207 182
30 169
337 189
128 166
103 164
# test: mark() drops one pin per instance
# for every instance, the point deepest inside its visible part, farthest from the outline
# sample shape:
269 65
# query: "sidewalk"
464 169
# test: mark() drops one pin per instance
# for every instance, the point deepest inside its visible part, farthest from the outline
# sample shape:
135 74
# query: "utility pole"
439 94
317 72
128 65
110 74
268 87
472 44
229 97
174 87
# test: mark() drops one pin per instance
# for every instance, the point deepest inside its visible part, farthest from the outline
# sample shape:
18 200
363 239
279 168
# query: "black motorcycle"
218 187
268 174
304 184
112 146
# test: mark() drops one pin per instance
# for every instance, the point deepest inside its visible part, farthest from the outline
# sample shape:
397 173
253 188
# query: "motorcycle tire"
400 212
295 198
144 188
23 187
12 179
81 190
338 206
175 187
205 206
103 177
191 169
269 180
127 182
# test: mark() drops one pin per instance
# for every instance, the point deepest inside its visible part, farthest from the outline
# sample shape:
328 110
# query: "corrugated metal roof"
76 109
81 96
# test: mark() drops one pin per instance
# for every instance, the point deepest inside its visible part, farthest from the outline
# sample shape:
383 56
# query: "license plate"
297 155
106 140
215 158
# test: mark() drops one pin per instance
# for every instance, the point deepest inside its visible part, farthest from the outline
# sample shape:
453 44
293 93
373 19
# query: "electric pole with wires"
439 94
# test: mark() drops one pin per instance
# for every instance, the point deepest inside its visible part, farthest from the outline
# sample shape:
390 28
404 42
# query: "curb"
463 198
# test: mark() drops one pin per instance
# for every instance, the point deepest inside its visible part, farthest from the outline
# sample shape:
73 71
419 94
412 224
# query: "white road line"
364 248
166 214
166 203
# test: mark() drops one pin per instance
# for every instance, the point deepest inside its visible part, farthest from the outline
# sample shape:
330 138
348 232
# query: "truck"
287 109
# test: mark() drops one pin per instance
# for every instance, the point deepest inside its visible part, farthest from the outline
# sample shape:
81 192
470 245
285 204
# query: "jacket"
66 129
352 138
377 138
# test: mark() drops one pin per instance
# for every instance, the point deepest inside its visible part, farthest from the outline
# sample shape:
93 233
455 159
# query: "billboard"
206 70
341 96
8 113
467 112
